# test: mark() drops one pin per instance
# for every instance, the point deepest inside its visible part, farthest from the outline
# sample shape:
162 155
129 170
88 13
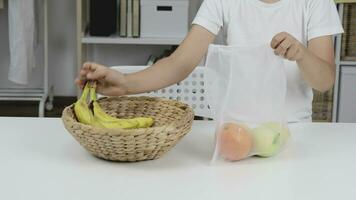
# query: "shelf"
345 1
348 62
121 40
22 94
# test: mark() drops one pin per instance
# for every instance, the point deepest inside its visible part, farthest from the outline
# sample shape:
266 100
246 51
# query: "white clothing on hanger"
22 40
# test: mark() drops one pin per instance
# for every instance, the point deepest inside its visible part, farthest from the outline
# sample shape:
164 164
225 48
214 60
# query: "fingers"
282 48
287 46
91 71
98 74
291 53
108 80
89 66
81 78
278 39
80 82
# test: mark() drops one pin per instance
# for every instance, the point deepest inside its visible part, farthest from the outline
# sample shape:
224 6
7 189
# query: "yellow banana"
108 121
144 122
102 116
81 108
111 122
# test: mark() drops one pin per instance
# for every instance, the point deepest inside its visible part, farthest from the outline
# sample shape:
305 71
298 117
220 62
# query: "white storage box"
164 18
347 95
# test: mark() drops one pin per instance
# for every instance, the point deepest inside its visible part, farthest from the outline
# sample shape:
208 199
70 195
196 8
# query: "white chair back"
191 90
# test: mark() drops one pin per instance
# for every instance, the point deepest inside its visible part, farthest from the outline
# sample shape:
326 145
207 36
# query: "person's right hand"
109 82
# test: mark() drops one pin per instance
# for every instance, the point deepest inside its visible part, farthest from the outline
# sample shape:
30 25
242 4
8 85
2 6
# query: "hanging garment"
1 4
22 40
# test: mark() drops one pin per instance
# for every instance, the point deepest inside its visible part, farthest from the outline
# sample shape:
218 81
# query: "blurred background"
60 35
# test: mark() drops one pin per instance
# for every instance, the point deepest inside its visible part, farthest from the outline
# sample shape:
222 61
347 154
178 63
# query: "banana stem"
85 93
93 96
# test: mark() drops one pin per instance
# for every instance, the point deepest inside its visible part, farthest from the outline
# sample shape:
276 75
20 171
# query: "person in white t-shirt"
301 31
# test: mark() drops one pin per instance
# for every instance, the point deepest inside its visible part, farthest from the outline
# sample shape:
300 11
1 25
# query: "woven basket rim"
105 131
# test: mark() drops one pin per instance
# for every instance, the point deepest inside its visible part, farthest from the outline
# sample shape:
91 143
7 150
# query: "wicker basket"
323 106
173 120
348 51
322 111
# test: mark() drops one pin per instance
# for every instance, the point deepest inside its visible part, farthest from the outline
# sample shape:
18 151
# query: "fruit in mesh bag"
99 118
269 138
234 141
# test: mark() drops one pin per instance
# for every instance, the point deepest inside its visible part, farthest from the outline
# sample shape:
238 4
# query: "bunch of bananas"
98 118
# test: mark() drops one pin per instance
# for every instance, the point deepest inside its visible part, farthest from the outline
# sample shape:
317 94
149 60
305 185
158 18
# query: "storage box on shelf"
347 94
164 18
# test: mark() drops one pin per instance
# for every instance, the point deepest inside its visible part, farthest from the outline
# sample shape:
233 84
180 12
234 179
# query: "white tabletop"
41 161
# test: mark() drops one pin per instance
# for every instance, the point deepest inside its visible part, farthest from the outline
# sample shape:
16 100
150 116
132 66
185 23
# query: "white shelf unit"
141 41
35 94
339 62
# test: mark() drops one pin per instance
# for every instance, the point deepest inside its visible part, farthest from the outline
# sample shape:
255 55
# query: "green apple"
269 138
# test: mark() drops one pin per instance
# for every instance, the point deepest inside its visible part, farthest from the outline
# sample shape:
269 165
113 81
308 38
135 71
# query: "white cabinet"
347 95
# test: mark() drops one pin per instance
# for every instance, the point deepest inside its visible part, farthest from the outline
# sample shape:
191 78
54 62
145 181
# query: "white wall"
62 49
62 46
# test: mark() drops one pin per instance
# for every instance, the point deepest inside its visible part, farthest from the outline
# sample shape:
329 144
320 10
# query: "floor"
30 109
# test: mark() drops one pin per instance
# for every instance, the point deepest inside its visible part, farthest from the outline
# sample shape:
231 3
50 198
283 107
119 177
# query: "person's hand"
109 82
286 46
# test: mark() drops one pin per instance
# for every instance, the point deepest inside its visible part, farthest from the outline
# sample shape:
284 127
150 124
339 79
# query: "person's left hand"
287 46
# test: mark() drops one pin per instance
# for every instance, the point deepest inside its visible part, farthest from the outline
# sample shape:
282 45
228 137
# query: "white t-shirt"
253 22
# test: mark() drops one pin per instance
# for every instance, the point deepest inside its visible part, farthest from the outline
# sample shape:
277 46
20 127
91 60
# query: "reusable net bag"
246 89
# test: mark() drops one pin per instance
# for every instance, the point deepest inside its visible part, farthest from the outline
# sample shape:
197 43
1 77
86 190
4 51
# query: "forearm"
318 73
316 62
165 72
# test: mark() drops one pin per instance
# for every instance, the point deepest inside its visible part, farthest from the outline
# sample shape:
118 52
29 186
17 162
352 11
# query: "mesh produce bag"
246 89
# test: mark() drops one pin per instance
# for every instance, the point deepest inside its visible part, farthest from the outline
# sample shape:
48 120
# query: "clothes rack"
35 94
